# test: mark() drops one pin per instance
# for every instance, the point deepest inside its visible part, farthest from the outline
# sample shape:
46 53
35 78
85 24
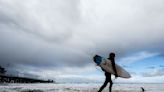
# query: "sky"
56 39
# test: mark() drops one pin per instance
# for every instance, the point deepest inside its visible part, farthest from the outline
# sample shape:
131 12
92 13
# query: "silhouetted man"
108 75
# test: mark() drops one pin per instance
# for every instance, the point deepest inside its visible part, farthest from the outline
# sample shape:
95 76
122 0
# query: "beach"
75 87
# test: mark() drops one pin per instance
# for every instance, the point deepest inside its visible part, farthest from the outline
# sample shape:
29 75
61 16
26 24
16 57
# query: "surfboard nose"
97 59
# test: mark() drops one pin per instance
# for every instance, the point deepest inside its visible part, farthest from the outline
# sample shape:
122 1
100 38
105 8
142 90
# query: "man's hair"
112 54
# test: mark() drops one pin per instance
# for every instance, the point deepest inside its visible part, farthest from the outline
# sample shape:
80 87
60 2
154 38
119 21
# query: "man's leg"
104 85
111 84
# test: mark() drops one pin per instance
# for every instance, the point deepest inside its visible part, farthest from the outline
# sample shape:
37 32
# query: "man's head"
112 55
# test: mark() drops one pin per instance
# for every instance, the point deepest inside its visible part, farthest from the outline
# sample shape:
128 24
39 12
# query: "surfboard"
107 66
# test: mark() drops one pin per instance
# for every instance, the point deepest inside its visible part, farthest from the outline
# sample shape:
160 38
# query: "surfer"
108 78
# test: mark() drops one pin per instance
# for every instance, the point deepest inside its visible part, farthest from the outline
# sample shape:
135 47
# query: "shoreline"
46 87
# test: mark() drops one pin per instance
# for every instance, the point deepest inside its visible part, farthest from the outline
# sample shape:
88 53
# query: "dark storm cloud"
21 43
31 17
47 34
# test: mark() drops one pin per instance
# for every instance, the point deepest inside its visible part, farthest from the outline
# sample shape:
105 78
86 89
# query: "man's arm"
114 68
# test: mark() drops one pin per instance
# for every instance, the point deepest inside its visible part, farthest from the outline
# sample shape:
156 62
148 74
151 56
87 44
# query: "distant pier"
16 79
13 79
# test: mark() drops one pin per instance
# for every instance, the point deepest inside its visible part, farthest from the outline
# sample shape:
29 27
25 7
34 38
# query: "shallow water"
79 87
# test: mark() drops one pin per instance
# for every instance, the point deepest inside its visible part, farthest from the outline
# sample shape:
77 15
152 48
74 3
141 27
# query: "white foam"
79 87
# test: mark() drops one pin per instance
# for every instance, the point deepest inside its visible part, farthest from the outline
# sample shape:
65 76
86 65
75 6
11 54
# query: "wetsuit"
108 78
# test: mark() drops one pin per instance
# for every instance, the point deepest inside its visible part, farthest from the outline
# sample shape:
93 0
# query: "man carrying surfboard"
108 78
109 67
